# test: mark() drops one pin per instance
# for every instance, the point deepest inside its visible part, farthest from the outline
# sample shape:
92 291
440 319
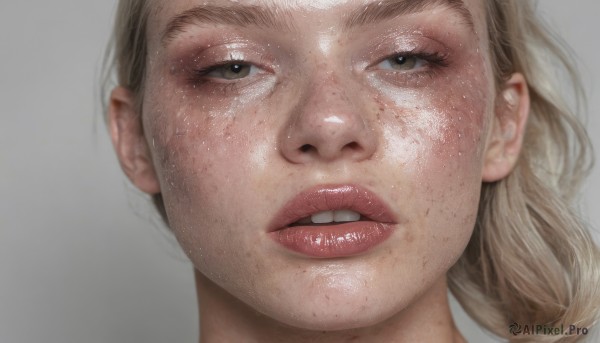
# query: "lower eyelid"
224 87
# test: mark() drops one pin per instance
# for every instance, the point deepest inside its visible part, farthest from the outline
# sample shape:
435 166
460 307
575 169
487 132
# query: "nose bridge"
327 96
328 121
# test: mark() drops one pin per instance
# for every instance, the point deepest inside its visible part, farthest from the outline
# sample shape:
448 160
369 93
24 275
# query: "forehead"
309 14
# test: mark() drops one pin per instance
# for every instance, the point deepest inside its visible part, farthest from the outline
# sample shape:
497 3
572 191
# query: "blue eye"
231 71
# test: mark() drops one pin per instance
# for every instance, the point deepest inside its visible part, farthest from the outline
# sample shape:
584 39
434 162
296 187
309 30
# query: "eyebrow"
389 9
235 15
274 17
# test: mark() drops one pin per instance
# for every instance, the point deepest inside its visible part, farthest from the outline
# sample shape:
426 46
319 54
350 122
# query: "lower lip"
331 241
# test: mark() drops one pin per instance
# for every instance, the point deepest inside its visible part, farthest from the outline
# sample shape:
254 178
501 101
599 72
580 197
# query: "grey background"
82 258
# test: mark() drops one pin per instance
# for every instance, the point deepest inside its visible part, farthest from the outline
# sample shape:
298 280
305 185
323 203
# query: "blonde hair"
530 259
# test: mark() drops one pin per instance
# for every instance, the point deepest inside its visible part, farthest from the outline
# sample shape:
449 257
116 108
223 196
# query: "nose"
326 124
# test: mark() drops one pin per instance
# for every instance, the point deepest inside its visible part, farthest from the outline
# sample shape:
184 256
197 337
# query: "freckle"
427 213
409 237
327 297
304 271
314 314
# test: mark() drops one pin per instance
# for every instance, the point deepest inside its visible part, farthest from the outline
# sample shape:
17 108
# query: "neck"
223 318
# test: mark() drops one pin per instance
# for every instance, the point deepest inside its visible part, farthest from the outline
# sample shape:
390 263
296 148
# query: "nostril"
353 146
306 148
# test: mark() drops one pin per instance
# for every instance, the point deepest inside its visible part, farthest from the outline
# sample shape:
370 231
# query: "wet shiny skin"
320 107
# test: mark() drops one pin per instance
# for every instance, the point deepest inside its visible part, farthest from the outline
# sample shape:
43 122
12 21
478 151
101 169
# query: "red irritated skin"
241 120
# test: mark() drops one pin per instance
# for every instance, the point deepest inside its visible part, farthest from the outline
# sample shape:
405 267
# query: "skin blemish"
408 237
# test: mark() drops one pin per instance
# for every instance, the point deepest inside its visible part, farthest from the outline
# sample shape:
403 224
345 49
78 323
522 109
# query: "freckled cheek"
201 157
204 158
443 125
436 137
204 182
460 137
451 160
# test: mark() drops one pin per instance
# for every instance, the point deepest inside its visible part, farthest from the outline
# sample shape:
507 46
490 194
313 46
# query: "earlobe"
507 129
128 140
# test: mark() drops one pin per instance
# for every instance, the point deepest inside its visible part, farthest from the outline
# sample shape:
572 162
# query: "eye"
231 71
402 62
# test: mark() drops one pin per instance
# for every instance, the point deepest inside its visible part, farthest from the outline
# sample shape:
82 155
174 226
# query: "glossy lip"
337 240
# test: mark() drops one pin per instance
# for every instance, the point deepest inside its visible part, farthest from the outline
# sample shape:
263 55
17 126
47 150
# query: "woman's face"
260 114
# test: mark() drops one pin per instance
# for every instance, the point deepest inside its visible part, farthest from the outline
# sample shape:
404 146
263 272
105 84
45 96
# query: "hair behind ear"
126 56
531 259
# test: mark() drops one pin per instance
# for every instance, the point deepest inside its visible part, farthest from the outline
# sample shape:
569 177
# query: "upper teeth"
335 216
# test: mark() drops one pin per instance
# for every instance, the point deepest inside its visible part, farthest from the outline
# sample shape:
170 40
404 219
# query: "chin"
332 309
340 318
341 321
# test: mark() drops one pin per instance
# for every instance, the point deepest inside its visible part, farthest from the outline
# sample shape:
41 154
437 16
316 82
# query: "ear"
128 139
508 128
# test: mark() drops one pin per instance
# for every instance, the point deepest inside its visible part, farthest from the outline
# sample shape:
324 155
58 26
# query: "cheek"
196 138
204 152
213 159
443 124
436 135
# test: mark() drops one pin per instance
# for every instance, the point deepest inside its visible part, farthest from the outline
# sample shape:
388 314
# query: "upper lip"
332 198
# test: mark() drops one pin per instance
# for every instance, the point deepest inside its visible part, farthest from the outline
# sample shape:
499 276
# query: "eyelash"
200 74
434 61
436 58
199 77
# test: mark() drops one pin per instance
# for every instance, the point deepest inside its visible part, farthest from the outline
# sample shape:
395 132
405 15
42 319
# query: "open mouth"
327 218
333 221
